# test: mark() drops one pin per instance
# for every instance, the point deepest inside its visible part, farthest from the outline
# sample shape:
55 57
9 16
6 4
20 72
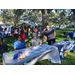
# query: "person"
35 41
36 30
1 36
16 33
23 34
19 44
25 31
50 33
40 28
39 33
1 28
6 34
12 32
29 32
33 29
3 46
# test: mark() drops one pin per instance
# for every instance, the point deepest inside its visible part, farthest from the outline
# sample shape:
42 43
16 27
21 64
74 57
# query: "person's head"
24 27
19 38
5 29
34 35
47 26
36 27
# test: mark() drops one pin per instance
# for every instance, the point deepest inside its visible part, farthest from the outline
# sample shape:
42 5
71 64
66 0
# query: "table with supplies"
31 55
64 46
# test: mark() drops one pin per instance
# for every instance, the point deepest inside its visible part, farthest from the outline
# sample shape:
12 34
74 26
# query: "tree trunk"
45 18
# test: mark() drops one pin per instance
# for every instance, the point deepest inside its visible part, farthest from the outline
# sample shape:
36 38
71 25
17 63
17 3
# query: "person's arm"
54 33
40 43
26 46
14 48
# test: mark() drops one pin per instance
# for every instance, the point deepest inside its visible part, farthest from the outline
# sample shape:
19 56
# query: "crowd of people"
21 34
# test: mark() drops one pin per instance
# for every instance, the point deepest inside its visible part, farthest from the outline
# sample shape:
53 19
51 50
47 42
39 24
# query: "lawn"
70 59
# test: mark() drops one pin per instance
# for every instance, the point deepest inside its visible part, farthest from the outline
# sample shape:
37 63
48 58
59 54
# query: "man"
50 33
19 44
35 41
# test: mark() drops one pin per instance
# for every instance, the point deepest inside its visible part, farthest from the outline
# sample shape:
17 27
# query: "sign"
8 29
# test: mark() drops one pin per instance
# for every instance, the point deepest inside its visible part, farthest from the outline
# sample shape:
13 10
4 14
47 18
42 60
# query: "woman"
19 44
36 30
16 33
25 31
22 34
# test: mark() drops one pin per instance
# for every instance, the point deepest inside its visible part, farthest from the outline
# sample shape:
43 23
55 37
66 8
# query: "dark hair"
22 31
5 29
18 36
35 26
47 24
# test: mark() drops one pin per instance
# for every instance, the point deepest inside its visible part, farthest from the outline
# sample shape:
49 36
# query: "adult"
22 34
50 33
35 41
40 28
12 32
3 46
19 44
6 34
1 28
25 31
1 37
36 30
16 33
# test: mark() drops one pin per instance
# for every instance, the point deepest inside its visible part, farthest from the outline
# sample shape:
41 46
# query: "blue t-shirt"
18 45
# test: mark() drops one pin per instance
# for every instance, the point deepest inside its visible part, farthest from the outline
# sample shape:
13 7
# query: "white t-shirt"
15 32
5 32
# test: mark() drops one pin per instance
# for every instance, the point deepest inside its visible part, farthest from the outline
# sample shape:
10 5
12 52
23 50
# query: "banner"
8 29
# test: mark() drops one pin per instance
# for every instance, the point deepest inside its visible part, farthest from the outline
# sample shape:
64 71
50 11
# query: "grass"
70 59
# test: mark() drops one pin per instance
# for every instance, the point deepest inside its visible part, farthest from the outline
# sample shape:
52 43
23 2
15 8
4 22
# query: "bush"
67 26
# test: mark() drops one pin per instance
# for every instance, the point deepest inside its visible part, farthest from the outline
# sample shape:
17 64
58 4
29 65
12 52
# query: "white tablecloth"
37 53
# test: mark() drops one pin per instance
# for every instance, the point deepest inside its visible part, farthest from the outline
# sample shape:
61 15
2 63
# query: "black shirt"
49 33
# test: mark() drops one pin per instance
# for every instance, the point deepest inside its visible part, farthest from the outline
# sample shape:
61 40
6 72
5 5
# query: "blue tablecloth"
71 34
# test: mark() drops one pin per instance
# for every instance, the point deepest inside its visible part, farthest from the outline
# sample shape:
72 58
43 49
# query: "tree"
45 16
17 14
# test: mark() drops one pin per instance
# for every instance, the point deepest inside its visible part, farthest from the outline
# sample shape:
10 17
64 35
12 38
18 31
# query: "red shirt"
23 36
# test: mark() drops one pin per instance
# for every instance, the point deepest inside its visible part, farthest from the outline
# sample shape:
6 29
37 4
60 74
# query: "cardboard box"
66 52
